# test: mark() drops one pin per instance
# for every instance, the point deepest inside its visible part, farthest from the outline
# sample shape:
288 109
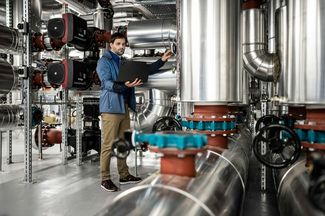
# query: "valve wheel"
166 123
109 13
266 120
278 153
121 148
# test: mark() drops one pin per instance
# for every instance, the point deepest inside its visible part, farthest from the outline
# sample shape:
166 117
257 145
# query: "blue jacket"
107 70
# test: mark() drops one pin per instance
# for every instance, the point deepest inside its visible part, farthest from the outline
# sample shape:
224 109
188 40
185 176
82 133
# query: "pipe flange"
37 41
56 45
44 135
97 79
33 81
98 39
319 146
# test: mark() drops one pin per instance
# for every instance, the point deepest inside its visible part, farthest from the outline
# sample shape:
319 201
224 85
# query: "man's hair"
116 36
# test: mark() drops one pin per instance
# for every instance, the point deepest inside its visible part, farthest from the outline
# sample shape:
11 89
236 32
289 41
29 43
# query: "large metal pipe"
10 116
302 49
9 78
257 61
165 80
152 34
272 6
102 23
154 104
292 190
211 57
9 40
82 7
218 189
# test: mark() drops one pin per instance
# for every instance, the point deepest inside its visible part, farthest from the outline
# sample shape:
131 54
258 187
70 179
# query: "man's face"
118 46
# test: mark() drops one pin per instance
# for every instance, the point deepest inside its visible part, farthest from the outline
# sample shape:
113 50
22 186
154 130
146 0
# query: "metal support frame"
9 23
64 126
0 151
40 141
178 84
65 96
79 130
263 146
27 60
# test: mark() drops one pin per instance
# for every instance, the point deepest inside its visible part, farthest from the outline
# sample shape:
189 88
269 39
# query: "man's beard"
120 52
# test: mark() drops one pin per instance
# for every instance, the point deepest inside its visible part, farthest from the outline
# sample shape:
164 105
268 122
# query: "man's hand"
167 55
136 82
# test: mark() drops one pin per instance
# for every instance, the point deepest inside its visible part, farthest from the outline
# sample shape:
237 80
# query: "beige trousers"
113 127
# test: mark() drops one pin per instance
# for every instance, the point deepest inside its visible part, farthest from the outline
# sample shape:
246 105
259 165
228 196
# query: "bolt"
181 156
20 26
213 135
311 123
224 116
201 116
20 71
213 116
224 134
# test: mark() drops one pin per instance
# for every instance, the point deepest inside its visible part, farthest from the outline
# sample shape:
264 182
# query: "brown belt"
126 101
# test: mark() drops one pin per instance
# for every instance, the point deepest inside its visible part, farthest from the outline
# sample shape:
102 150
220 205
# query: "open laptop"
130 70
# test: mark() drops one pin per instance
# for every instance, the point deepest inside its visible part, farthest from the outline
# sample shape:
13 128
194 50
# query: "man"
115 99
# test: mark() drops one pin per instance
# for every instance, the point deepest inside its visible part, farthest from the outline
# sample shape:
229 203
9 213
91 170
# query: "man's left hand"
167 55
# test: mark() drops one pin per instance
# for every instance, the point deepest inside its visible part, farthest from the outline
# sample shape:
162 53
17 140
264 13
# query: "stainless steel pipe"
211 56
218 189
292 190
151 34
257 61
301 48
155 104
9 78
82 7
10 116
9 40
164 80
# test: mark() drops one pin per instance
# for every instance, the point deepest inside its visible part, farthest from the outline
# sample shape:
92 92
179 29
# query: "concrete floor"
59 189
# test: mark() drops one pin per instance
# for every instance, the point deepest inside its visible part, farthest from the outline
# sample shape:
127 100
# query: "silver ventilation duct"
218 189
257 61
10 116
154 104
152 34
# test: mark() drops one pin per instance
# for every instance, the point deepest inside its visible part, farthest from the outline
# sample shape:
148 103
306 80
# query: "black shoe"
130 179
108 185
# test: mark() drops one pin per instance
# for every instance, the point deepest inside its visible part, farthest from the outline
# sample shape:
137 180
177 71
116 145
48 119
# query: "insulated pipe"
9 40
217 189
164 80
257 61
82 7
292 190
272 5
10 116
9 78
152 34
155 104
